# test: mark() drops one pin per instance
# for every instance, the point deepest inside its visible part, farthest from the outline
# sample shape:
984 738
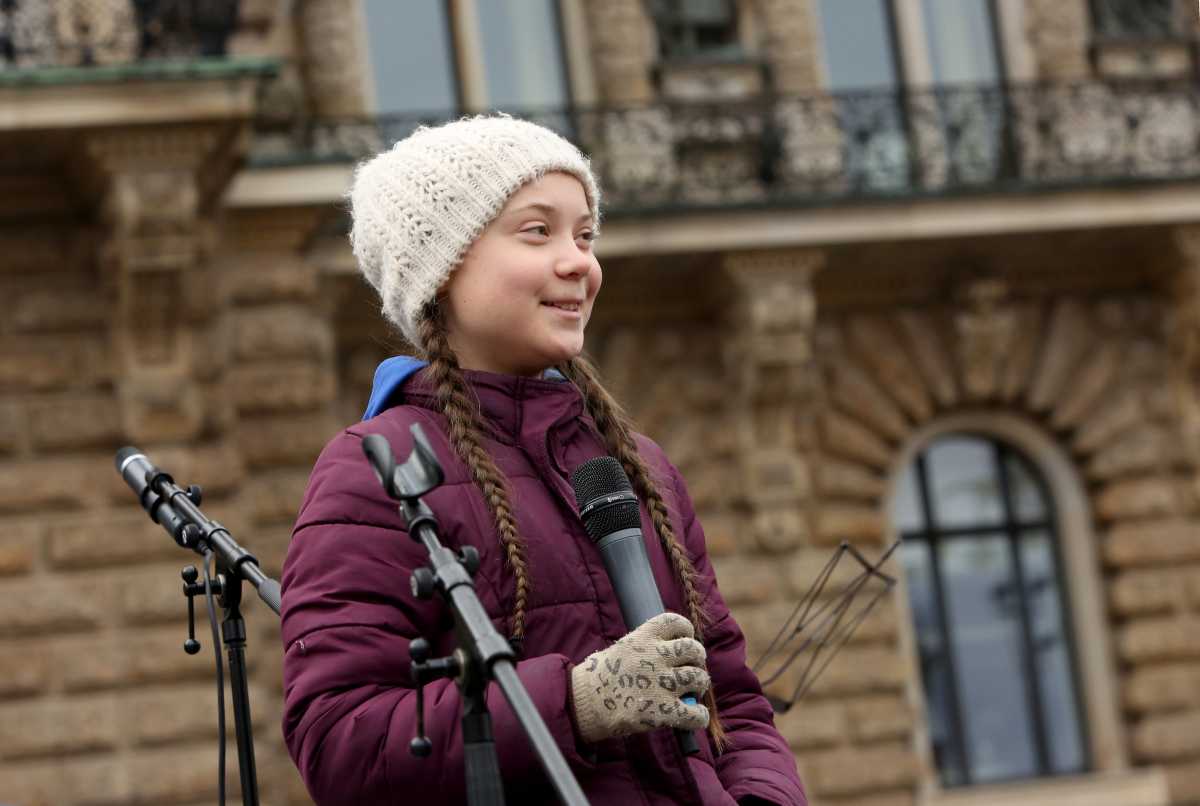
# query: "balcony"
42 41
829 149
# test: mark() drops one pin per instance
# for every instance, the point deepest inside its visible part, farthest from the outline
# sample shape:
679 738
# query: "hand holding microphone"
634 685
609 510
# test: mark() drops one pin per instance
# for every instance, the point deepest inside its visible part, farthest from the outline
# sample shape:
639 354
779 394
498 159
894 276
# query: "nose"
573 262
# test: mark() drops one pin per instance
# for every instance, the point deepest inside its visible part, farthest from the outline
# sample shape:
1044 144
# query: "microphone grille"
605 497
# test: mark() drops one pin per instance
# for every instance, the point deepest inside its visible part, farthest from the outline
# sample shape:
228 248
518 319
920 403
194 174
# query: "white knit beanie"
419 206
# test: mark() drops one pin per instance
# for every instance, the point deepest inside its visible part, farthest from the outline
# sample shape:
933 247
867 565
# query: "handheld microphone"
608 508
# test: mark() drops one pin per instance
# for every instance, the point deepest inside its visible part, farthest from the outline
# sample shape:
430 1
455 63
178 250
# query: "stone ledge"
1143 787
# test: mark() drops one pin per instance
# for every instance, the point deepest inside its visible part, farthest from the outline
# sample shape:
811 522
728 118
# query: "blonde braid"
462 416
617 430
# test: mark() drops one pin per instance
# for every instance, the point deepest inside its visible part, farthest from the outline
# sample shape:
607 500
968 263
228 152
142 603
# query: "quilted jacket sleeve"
758 761
348 616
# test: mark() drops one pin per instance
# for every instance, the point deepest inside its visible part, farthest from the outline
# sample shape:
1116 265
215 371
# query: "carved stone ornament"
775 317
153 258
986 327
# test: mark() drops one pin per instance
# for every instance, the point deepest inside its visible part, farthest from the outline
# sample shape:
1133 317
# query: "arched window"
990 606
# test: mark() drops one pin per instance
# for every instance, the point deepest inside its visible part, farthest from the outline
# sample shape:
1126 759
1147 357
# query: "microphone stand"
483 653
178 511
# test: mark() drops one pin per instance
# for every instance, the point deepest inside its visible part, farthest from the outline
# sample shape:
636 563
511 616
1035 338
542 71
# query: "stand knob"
194 493
190 574
418 651
469 557
422 582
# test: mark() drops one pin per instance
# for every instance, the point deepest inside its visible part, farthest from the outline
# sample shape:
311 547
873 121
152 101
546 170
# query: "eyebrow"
548 209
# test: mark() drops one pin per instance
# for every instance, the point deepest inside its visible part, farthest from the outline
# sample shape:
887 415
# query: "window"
439 57
411 57
986 593
1135 19
695 28
522 53
861 66
858 45
952 134
961 41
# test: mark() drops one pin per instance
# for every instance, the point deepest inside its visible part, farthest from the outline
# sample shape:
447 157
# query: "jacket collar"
511 404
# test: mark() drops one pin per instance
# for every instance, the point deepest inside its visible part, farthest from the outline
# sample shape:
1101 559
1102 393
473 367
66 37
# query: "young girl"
478 236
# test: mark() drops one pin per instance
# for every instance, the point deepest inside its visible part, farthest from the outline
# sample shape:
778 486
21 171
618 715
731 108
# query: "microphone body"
609 510
628 567
143 478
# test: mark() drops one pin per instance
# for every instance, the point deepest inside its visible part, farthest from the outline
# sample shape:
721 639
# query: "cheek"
595 280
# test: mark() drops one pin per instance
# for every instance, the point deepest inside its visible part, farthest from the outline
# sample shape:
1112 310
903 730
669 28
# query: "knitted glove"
635 684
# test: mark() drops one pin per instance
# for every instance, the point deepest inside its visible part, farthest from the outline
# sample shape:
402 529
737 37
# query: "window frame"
1083 600
467 60
1011 526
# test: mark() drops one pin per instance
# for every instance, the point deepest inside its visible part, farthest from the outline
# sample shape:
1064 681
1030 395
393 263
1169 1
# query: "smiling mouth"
573 307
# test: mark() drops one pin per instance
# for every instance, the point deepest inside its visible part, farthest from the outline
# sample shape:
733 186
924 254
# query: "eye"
537 229
587 235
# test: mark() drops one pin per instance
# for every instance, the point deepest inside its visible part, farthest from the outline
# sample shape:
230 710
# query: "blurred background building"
873 268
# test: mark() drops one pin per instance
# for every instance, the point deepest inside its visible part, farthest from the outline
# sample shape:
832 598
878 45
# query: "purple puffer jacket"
348 615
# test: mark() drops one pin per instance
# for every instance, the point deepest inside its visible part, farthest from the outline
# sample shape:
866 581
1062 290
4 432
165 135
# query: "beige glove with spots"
635 684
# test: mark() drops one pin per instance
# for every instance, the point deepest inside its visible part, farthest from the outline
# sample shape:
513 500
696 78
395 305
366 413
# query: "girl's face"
523 295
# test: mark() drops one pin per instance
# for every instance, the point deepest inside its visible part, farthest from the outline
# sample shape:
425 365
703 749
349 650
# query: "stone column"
153 256
331 35
1058 30
775 317
792 45
623 43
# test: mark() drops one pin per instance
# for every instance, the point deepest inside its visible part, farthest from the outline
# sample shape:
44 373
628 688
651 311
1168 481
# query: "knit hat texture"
417 208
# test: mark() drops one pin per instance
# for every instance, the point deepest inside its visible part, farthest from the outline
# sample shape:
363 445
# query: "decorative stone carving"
151 202
774 317
777 313
333 57
986 327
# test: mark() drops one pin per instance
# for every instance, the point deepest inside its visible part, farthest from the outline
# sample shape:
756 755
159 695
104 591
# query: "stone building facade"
174 276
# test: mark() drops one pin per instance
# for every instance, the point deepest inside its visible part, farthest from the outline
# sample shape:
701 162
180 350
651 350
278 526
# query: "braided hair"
460 408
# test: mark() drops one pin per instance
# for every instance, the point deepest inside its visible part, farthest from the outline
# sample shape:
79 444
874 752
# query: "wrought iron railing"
75 33
822 148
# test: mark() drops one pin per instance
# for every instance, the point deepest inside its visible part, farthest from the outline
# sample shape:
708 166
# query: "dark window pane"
1053 657
906 505
964 489
411 57
1027 501
935 666
985 630
857 43
1133 19
522 53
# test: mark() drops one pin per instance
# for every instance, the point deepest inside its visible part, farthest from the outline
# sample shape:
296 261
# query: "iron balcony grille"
41 33
819 149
